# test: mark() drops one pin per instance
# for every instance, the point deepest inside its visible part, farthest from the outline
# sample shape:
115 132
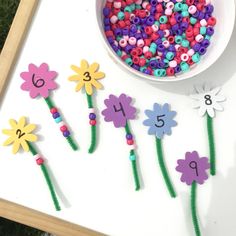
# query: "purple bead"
115 48
110 40
183 26
153 10
153 3
133 28
138 36
143 21
177 69
66 133
106 11
178 17
136 67
128 48
202 51
118 32
201 15
129 136
158 41
175 27
145 36
196 47
209 8
125 31
106 21
92 116
196 14
207 16
161 33
172 48
153 64
179 31
160 64
147 72
136 20
210 31
161 47
55 115
150 20
107 27
205 43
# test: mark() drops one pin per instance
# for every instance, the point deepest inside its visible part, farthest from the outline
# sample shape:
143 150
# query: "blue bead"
58 119
129 136
132 157
133 28
210 31
202 51
55 115
209 8
183 26
106 11
201 15
66 133
136 20
118 32
196 47
150 20
125 31
92 116
205 43
106 21
153 2
177 69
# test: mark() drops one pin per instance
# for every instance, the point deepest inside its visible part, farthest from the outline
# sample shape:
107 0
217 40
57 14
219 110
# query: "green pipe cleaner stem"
211 145
49 102
163 168
134 163
193 209
47 178
93 127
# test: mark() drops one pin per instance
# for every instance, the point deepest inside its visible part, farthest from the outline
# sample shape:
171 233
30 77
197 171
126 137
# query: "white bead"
132 40
145 49
113 19
166 43
37 156
117 4
190 52
173 64
132 147
203 22
199 38
62 123
155 28
91 110
184 57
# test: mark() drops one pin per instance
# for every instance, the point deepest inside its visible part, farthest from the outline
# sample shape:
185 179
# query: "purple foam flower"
193 168
38 80
119 110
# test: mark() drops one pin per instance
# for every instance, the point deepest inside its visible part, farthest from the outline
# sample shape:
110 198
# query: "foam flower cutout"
20 134
87 76
119 110
160 120
207 100
193 168
38 80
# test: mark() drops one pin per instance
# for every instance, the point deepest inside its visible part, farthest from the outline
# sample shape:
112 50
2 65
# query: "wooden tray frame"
8 59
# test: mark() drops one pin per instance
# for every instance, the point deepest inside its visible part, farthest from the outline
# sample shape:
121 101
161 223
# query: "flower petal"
29 128
199 89
211 112
84 65
75 78
31 137
97 84
93 68
21 123
8 131
79 86
78 70
16 146
25 145
88 88
13 124
9 141
98 75
218 107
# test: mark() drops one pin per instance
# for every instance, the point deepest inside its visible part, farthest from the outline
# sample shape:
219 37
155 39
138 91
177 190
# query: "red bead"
134 52
177 59
154 36
63 128
189 32
193 43
197 25
148 30
211 21
109 5
163 26
40 161
130 141
142 62
124 57
109 33
147 42
186 19
116 11
122 24
183 50
157 16
129 2
148 7
127 15
139 51
159 8
92 122
123 4
142 13
172 21
127 23
190 61
196 31
136 60
170 71
200 6
190 2
171 39
190 38
148 55
53 110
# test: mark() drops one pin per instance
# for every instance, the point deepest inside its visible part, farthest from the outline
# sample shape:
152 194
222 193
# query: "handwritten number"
119 109
87 75
160 121
37 82
19 133
193 165
208 100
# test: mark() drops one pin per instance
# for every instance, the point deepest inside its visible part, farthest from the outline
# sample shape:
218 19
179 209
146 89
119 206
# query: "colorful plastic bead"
66 133
40 161
93 122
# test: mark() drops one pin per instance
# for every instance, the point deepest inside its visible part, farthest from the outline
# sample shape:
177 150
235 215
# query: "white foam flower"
207 100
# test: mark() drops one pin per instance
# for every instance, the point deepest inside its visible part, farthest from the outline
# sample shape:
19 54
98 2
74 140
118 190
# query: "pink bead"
63 128
40 161
203 22
113 19
207 2
140 43
110 0
177 46
132 40
131 17
168 12
166 33
184 57
173 64
145 49
179 0
53 110
144 5
117 4
170 5
92 110
166 43
138 2
126 37
190 52
123 43
166 0
160 0
199 38
155 28
116 43
130 141
158 57
192 9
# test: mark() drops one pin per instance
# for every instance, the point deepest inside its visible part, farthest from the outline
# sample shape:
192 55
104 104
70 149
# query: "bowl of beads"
165 40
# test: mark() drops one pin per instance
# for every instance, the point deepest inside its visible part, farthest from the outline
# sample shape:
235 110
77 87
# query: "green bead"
157 23
178 6
143 68
193 20
185 43
170 55
153 45
132 157
160 72
208 37
184 7
132 6
196 57
138 6
121 15
58 119
152 50
185 13
128 9
119 53
118 38
178 39
163 39
163 19
184 66
183 35
163 72
166 61
129 61
203 30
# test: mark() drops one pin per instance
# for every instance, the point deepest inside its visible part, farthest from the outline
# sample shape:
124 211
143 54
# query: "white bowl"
225 14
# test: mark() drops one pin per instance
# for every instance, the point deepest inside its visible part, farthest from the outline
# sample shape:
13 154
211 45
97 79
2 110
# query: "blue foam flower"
160 120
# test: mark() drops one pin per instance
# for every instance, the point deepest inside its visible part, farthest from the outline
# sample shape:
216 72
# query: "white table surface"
97 191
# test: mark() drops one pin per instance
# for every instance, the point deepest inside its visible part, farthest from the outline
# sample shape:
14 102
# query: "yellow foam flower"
20 135
87 76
